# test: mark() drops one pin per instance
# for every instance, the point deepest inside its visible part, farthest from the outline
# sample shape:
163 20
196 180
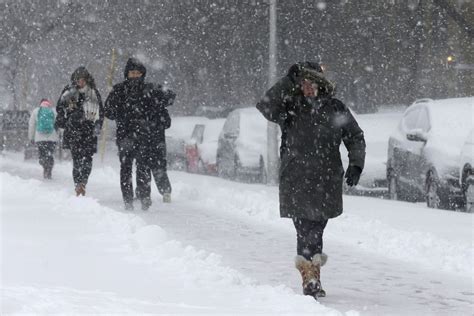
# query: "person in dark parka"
80 113
313 124
140 111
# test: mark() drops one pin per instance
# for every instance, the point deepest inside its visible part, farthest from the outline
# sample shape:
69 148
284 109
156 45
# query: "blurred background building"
214 54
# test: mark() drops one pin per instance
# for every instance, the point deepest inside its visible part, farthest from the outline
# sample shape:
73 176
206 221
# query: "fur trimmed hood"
82 73
314 72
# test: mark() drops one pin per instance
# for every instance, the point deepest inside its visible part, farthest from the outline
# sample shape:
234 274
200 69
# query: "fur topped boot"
318 261
80 189
311 273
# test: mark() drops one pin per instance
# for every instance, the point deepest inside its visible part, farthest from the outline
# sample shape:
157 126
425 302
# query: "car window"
198 133
231 124
423 120
410 119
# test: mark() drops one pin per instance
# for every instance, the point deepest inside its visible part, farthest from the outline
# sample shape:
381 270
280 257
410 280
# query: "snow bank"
72 255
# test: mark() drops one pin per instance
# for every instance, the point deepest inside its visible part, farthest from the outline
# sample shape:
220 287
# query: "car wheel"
200 167
236 172
467 186
469 205
220 171
263 171
432 191
392 186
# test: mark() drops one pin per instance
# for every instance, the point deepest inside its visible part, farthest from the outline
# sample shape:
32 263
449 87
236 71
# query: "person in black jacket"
313 124
140 111
80 113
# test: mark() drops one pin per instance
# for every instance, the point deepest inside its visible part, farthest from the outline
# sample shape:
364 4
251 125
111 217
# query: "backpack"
45 120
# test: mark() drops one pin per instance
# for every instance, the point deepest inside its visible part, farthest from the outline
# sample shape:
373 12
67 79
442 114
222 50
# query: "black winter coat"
311 171
79 133
142 117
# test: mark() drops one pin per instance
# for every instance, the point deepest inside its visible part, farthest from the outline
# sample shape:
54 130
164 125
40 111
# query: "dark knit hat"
82 73
134 64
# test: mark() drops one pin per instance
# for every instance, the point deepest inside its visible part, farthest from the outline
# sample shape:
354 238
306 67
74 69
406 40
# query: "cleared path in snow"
353 279
263 248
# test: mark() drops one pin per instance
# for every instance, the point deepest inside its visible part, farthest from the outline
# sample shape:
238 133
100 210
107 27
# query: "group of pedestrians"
140 111
312 121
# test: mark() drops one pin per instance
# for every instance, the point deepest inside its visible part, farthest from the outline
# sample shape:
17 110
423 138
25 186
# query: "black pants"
152 163
46 154
127 151
309 237
81 165
130 150
144 174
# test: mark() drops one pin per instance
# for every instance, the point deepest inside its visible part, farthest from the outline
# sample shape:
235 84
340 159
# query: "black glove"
353 175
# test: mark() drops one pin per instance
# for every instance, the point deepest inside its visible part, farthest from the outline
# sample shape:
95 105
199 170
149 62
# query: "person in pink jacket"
41 132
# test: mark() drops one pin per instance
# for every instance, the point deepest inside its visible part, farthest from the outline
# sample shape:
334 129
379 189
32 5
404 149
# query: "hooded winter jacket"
80 113
140 111
311 171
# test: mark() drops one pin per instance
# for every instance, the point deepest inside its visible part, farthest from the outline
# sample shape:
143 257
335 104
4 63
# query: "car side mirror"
230 135
417 136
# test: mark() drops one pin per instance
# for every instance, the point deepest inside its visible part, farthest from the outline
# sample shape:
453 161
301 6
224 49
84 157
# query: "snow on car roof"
213 129
182 126
452 119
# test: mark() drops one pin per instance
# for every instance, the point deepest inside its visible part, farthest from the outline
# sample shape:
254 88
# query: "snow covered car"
423 152
377 128
242 146
201 151
177 136
466 175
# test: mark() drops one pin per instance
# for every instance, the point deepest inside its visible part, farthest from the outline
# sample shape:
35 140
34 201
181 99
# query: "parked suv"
466 175
424 152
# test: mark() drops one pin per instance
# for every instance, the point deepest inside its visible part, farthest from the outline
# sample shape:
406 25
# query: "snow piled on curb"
419 247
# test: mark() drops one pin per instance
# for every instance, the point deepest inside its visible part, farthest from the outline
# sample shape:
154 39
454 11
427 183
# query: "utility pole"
110 79
272 128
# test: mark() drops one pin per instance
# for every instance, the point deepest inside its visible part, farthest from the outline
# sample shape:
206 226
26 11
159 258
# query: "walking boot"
80 189
146 203
310 276
47 172
167 198
128 205
318 261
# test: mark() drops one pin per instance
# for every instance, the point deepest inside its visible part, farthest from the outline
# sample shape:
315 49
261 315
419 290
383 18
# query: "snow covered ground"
219 248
